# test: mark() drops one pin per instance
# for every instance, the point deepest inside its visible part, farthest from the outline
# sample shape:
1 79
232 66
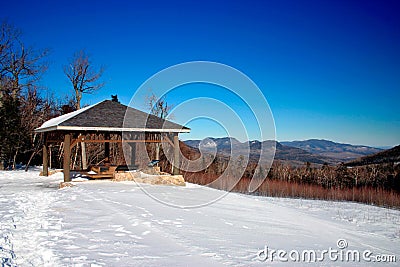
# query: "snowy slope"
103 223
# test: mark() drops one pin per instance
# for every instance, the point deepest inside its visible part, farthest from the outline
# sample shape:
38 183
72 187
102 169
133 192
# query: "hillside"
292 155
291 177
387 156
338 151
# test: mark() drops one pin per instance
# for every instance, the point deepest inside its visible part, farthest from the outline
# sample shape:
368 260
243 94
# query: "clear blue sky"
329 69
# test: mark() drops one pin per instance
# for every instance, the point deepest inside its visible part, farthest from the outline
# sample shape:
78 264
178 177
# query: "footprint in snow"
209 254
136 237
120 234
72 247
122 230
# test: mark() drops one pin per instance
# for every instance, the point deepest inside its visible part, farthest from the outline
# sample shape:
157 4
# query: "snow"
60 119
104 223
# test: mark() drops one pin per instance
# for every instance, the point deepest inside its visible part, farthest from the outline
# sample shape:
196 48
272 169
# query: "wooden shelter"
103 119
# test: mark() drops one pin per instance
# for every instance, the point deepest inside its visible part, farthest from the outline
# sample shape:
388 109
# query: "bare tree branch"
158 106
82 75
18 64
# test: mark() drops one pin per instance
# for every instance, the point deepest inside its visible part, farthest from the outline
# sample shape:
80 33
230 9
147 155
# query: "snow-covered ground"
104 223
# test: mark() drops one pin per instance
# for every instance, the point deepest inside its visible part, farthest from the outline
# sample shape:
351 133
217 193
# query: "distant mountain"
387 156
338 151
298 156
293 155
210 143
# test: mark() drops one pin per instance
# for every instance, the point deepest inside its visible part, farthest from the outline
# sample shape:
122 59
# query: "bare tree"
8 34
83 76
85 80
158 106
22 65
20 68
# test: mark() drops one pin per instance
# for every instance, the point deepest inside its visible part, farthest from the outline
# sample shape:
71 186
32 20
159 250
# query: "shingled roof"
111 116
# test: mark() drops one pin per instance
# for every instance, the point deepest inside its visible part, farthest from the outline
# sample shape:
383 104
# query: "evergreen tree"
10 132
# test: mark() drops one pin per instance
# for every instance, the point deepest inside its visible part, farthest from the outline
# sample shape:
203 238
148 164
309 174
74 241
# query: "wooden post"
50 146
176 155
84 156
67 157
157 151
133 154
45 158
107 147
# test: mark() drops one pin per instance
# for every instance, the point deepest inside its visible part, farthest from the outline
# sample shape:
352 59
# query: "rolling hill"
292 155
339 151
387 156
295 152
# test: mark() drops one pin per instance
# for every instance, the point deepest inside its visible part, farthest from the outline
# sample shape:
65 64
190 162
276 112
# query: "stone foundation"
65 184
141 177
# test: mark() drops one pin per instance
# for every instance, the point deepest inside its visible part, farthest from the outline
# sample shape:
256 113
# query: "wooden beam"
122 141
83 156
107 147
157 152
133 153
168 140
45 159
176 155
67 157
76 141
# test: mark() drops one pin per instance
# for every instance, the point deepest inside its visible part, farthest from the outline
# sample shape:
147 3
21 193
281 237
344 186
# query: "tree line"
25 104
